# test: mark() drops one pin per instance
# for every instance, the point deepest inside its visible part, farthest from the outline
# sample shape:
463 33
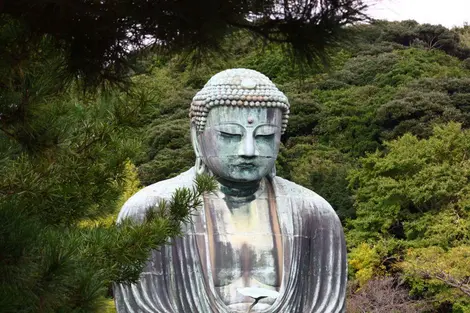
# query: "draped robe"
178 279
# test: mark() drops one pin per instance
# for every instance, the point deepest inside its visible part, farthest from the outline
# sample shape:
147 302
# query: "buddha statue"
256 232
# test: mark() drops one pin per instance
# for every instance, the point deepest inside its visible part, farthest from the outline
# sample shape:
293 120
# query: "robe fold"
178 277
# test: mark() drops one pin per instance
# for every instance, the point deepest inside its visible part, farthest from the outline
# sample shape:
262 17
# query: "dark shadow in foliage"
304 116
319 168
424 103
169 151
416 112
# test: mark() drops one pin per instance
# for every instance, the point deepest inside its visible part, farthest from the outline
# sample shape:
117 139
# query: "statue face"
241 144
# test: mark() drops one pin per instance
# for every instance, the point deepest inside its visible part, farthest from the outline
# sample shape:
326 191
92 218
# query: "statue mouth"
246 165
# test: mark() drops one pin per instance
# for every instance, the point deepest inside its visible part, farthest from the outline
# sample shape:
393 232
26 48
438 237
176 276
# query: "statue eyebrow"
228 123
243 127
268 124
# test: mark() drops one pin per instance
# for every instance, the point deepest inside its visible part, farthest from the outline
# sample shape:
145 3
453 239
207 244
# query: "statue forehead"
244 116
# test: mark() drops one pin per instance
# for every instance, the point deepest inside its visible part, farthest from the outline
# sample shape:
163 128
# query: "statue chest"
245 246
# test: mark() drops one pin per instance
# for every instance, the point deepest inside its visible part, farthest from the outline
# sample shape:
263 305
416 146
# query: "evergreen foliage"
64 170
382 134
98 38
412 203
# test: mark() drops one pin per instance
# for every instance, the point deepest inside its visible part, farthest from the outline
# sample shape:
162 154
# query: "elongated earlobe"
200 167
272 174
194 140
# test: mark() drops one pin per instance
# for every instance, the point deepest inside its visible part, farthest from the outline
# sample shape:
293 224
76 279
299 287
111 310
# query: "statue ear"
195 141
200 167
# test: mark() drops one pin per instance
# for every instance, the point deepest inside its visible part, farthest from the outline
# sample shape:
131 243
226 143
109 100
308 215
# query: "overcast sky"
446 12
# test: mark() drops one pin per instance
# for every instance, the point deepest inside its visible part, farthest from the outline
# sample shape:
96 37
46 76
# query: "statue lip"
245 164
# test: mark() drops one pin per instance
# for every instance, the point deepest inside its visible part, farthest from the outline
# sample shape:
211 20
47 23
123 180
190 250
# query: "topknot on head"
237 87
236 76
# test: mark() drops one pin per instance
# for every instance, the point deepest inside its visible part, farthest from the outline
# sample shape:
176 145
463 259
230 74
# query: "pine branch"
8 133
462 285
96 36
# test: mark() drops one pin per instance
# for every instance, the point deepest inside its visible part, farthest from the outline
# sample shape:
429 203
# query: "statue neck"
239 189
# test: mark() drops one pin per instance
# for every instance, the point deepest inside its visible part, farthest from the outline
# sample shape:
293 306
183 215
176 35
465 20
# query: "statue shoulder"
137 205
286 188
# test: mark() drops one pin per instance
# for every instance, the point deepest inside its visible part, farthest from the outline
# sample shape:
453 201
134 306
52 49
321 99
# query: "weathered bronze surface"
259 237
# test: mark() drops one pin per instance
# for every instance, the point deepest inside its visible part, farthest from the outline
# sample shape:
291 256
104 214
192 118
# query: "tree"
64 168
396 188
319 168
346 120
416 112
443 273
65 147
424 103
410 33
98 36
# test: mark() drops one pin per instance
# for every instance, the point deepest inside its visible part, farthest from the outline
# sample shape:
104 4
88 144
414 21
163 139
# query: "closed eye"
265 136
266 131
231 131
229 135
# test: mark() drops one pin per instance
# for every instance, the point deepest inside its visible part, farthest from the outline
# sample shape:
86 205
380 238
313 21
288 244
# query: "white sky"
446 12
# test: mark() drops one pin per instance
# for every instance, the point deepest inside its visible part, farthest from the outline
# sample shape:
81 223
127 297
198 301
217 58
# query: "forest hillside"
380 128
381 133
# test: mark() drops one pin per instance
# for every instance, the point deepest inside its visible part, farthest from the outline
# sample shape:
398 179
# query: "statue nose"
248 147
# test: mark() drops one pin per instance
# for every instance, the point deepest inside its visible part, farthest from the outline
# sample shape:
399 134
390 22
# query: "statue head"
236 123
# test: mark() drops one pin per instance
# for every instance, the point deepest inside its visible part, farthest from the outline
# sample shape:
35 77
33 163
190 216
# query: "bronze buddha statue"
256 232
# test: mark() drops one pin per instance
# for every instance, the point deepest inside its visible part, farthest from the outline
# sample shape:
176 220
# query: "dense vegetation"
64 172
72 116
381 133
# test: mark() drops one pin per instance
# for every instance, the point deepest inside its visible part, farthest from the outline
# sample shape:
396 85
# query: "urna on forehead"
238 88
